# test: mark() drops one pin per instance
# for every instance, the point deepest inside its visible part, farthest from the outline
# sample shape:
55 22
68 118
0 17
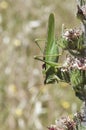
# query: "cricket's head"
50 76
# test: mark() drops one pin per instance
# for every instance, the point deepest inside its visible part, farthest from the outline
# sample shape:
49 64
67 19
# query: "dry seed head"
72 34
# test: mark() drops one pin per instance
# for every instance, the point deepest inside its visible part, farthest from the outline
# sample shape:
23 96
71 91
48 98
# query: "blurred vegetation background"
25 103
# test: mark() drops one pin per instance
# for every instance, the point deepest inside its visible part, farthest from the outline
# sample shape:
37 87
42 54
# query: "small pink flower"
72 62
52 127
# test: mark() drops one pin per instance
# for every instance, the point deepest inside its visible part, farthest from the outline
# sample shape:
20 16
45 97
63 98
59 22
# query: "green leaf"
78 80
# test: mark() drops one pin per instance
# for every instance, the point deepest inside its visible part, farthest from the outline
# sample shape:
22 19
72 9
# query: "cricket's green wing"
51 50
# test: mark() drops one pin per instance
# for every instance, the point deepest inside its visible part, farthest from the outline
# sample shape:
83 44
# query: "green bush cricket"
50 54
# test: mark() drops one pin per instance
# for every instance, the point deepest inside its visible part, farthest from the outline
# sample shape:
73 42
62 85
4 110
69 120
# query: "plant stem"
84 31
84 114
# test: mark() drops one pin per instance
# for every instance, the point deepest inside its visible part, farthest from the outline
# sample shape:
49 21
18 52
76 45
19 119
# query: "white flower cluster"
63 123
72 34
72 62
